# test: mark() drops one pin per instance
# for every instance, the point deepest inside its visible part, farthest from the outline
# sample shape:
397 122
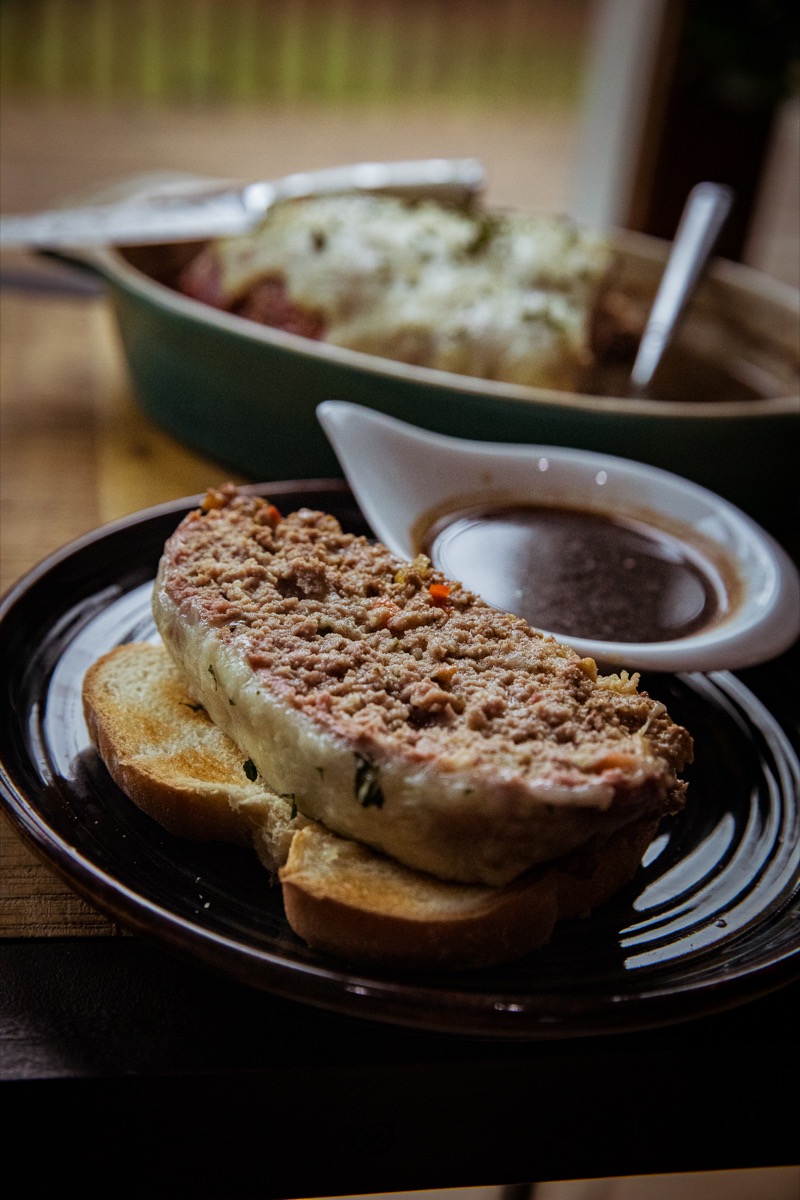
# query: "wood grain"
75 453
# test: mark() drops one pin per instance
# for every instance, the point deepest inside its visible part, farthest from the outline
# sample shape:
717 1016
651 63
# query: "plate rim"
340 989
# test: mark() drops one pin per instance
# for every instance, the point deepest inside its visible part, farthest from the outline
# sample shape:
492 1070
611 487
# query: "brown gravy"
579 573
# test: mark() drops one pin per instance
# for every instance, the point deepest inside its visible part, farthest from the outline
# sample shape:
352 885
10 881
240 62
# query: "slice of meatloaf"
398 708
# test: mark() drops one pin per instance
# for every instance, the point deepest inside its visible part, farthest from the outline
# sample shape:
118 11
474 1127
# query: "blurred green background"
98 90
343 52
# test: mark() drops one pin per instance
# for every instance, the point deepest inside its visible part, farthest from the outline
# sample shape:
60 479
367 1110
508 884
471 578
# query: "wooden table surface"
76 453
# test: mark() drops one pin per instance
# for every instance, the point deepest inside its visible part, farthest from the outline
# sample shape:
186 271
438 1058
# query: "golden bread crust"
340 896
345 900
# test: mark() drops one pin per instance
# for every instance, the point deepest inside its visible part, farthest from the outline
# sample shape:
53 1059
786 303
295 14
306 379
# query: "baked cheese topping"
505 296
398 708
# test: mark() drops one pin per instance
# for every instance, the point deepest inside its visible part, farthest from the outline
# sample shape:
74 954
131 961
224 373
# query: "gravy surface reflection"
579 573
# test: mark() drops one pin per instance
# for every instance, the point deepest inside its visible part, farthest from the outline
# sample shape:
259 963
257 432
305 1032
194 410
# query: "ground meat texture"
416 677
266 302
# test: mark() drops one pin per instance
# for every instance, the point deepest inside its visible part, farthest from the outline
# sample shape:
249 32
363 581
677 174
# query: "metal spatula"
186 212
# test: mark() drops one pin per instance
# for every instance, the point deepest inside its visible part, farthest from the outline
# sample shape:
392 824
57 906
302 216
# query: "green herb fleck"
250 770
486 227
368 790
290 796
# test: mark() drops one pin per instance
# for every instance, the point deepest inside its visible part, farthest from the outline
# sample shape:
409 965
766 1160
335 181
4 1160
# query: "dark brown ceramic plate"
712 921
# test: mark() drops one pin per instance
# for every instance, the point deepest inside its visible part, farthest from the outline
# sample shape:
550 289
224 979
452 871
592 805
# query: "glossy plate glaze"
712 921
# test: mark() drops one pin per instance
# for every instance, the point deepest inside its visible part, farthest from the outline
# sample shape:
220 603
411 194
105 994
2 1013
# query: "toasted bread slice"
172 761
346 899
340 896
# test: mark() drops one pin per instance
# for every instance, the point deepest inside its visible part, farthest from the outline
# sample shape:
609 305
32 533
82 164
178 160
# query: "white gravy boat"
402 476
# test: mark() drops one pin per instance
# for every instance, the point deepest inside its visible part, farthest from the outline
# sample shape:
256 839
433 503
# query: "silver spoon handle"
706 210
